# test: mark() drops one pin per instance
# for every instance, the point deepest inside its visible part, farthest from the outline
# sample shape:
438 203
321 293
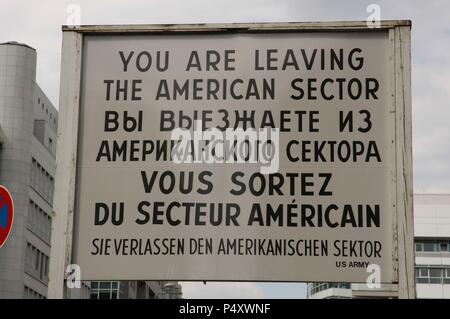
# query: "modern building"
432 243
28 123
432 256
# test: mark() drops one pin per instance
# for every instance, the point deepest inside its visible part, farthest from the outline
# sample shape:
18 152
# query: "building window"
36 263
39 222
105 285
41 181
432 246
105 290
419 246
320 286
426 274
29 293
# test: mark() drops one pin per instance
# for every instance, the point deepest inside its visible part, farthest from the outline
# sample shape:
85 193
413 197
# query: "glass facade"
105 290
428 246
432 274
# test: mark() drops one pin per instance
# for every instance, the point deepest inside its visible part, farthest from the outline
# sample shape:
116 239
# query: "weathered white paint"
63 203
405 221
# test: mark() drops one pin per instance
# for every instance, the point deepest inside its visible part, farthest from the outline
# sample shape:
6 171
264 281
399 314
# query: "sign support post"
405 220
66 157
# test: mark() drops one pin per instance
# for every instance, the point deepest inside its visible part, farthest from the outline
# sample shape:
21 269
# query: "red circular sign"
6 214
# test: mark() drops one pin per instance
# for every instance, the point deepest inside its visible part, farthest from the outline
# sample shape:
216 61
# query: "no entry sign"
6 214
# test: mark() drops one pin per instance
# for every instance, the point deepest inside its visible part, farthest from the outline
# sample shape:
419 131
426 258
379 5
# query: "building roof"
18 44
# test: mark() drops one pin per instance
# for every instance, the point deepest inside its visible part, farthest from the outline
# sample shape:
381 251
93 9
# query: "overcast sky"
38 23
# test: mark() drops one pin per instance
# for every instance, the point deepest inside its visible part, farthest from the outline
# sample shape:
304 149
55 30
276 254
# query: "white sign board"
312 194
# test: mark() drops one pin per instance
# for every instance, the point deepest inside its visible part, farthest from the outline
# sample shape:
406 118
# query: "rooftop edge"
18 44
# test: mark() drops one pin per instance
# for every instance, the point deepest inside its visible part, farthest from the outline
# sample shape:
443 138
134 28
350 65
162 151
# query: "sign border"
401 173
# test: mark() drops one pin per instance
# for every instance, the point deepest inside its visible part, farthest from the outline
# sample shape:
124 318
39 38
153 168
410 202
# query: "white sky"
38 23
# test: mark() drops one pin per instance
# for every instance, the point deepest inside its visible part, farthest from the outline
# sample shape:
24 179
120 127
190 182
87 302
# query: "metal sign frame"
66 155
